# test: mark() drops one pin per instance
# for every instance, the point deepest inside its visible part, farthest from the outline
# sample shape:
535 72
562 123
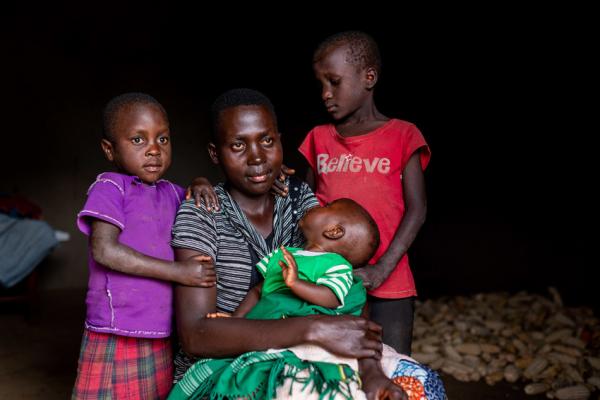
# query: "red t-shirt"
368 169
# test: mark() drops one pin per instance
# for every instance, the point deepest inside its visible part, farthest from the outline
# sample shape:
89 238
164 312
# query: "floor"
38 354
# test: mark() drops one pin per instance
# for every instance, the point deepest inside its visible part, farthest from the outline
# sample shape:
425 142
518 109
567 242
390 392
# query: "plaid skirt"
121 367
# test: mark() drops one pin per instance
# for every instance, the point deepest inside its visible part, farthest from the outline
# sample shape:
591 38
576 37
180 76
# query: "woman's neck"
258 209
250 202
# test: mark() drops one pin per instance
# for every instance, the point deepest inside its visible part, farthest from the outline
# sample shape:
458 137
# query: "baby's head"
347 65
342 227
136 137
245 141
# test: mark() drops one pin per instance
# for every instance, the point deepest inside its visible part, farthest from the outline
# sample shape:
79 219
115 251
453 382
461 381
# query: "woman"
250 224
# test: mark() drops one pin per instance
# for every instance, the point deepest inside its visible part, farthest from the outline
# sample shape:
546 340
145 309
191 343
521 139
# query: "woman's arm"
415 200
224 337
108 251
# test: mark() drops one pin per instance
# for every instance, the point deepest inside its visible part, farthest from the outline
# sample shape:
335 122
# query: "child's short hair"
238 97
363 50
116 104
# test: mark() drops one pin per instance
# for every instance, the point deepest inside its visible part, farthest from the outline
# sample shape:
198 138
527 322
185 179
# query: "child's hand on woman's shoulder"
279 187
196 271
202 190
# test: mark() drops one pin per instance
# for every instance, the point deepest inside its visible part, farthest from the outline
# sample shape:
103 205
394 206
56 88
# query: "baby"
317 279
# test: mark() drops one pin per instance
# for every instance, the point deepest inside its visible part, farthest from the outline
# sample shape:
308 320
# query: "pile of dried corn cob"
523 337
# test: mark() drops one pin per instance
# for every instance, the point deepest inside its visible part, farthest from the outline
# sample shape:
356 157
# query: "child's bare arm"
307 291
249 301
415 200
106 250
279 187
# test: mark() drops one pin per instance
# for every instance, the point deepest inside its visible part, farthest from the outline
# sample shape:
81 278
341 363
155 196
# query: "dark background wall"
498 97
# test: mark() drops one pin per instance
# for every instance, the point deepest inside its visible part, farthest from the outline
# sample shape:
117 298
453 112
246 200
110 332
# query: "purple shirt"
119 303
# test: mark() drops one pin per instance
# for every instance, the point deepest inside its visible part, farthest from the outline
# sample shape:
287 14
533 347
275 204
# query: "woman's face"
248 149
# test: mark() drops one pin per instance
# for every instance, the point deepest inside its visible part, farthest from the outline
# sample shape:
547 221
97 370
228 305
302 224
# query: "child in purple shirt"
126 352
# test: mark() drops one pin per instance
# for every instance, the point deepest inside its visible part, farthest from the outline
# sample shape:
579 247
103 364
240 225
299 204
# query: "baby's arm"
249 301
307 291
245 306
108 251
344 335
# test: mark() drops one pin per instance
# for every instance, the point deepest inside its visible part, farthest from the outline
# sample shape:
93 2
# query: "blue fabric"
23 245
431 381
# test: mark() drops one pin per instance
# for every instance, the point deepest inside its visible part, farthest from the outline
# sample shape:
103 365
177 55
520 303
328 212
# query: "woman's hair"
238 97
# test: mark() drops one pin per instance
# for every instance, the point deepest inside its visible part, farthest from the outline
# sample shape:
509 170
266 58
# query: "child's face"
344 86
248 149
141 144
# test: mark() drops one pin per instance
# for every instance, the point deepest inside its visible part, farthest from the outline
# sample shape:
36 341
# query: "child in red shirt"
376 161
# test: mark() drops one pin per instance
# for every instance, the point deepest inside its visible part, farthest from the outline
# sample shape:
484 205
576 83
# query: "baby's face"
141 143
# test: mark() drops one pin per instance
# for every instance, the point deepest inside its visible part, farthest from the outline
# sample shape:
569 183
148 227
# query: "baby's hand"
289 269
197 271
201 189
218 315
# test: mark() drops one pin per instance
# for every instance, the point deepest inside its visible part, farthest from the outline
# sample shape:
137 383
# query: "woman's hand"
346 336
